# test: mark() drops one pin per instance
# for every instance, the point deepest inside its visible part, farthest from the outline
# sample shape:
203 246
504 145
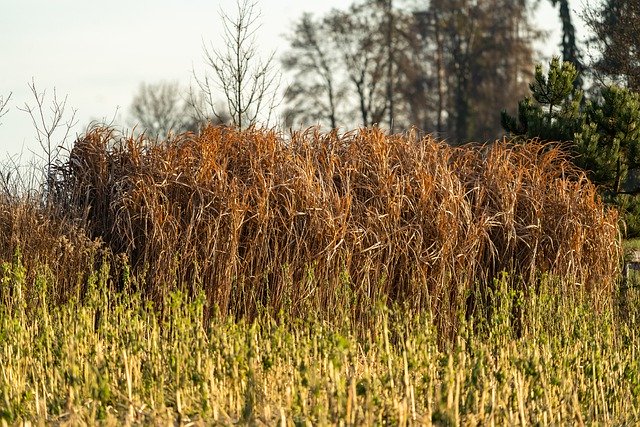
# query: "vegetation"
552 112
443 66
570 51
164 109
249 83
362 278
255 220
238 275
114 359
631 245
603 134
614 34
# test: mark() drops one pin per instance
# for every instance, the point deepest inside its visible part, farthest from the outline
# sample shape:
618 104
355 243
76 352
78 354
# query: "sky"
98 53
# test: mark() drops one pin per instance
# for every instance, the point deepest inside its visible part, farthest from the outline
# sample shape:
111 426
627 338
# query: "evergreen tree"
609 148
609 141
553 111
603 135
570 51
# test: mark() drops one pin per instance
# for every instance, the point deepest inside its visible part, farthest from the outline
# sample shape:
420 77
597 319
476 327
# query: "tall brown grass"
335 223
47 248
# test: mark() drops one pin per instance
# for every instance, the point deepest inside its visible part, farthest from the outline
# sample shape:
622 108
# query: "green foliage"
609 140
604 133
142 366
608 148
629 205
553 111
631 245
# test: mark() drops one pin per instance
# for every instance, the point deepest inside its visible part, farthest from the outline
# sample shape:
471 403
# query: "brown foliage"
45 246
336 223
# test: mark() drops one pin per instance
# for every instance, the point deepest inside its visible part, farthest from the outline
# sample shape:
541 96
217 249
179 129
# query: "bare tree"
53 126
16 179
361 67
164 108
483 52
4 101
314 60
341 66
360 36
449 66
249 84
615 40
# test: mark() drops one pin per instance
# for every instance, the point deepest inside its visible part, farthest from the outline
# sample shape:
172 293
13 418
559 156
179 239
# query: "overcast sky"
97 53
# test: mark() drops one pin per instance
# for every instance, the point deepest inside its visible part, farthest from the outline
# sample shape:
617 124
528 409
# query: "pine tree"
570 51
609 148
609 141
553 111
603 134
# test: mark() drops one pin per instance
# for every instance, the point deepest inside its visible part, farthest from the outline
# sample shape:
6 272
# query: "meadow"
247 277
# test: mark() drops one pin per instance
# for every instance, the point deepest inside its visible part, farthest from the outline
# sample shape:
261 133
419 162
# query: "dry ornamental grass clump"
46 247
337 223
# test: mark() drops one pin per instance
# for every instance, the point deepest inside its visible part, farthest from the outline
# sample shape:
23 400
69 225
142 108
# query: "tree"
53 126
488 56
412 72
359 36
451 66
4 102
424 74
609 141
163 108
608 147
552 113
341 64
570 51
313 59
249 85
603 135
615 29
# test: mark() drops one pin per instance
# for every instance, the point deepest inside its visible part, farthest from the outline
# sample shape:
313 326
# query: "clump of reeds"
50 249
336 223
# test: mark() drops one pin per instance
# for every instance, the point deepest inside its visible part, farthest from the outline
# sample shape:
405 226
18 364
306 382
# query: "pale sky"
97 53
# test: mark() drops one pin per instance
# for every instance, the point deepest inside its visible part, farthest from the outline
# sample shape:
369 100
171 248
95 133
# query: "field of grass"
244 277
113 359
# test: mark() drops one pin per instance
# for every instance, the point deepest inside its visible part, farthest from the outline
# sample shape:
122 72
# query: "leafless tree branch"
52 125
248 84
162 109
4 102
